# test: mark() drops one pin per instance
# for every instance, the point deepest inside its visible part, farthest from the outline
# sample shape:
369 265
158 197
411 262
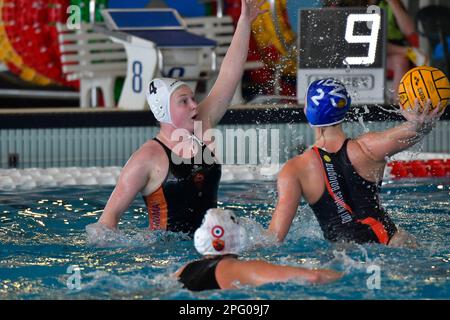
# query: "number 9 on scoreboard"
371 39
348 44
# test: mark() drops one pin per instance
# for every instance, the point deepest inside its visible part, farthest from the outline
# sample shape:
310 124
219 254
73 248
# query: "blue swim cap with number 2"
327 102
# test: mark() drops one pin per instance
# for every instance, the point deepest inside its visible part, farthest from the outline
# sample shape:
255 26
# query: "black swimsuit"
350 209
188 191
201 274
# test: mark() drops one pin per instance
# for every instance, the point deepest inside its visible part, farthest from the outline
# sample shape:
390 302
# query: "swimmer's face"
183 108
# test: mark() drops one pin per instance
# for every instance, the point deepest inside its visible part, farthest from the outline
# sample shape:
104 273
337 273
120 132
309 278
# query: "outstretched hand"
424 120
414 113
252 8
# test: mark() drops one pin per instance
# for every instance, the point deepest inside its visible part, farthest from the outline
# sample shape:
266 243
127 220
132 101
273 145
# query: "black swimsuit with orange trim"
188 191
350 209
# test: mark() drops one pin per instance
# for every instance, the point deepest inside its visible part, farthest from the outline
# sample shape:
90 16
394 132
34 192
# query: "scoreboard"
348 44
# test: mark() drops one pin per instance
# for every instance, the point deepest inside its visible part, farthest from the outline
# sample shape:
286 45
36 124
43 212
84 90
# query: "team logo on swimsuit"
198 180
327 158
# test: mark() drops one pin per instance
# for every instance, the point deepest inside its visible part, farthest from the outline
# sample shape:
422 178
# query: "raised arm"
213 107
379 145
257 272
289 195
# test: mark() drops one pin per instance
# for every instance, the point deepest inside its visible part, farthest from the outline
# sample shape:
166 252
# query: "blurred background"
31 62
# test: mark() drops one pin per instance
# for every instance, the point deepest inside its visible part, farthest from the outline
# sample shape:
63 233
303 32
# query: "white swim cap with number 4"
220 234
158 95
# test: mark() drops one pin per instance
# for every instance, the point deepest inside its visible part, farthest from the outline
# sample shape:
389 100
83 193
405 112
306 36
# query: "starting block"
157 44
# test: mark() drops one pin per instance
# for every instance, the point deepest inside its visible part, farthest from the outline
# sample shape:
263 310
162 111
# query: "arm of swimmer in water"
215 105
379 145
257 272
133 178
289 195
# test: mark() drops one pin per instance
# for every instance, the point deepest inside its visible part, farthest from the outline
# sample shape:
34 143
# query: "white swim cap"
220 234
158 95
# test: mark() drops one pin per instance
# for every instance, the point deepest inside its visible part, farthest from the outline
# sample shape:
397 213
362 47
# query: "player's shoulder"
364 137
298 161
297 164
150 150
362 144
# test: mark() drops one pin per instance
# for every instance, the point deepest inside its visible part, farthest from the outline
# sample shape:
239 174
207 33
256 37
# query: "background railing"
112 146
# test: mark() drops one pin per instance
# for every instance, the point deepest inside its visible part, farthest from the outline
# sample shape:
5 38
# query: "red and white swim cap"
220 234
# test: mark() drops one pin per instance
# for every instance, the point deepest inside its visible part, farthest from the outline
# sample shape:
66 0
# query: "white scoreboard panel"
348 44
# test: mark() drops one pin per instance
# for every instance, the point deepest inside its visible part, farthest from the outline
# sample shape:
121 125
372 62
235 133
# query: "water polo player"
178 190
340 178
220 239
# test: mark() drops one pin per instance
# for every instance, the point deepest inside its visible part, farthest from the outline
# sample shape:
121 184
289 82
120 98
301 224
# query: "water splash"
347 66
257 236
133 286
343 260
101 236
361 122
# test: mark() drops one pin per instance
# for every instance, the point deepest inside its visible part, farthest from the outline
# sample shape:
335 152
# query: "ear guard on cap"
220 234
327 102
158 95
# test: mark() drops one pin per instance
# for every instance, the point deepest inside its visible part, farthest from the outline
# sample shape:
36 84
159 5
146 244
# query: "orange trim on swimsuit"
157 210
376 226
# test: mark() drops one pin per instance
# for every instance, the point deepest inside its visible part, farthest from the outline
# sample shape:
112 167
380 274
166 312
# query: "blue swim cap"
327 102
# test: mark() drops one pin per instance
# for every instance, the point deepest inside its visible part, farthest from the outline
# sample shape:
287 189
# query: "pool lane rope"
425 165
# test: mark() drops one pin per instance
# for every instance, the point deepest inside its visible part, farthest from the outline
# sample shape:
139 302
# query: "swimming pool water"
42 234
